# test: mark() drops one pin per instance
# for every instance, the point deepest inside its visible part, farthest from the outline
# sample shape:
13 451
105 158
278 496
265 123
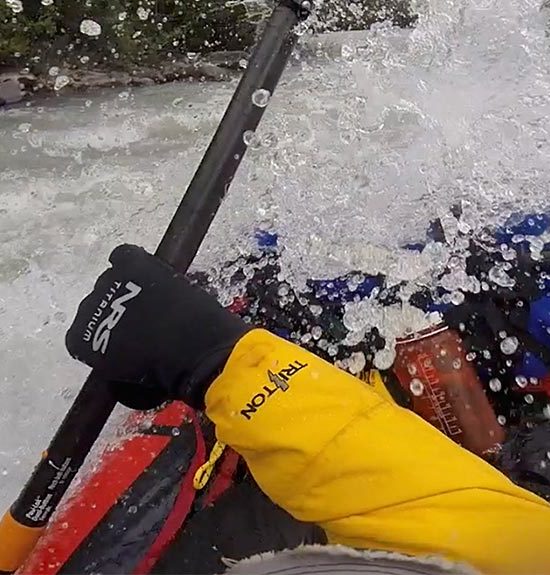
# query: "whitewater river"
362 145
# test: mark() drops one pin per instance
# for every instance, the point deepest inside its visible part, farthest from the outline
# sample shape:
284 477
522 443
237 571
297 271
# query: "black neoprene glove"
156 337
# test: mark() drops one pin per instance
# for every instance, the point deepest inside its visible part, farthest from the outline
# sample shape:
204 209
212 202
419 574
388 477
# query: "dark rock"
228 59
207 71
155 74
92 79
174 71
10 92
14 86
142 81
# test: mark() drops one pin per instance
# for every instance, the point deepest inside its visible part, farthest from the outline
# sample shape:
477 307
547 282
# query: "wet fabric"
525 458
330 450
243 522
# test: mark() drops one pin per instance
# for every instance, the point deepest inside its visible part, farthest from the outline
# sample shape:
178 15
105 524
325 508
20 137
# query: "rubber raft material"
109 523
138 513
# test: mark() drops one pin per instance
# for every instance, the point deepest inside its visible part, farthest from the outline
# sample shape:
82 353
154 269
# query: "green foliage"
22 38
132 32
153 32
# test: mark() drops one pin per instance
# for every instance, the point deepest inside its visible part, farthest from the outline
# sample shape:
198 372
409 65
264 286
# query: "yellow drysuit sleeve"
328 449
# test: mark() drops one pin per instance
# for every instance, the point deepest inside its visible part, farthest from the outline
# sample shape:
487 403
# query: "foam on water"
369 137
455 110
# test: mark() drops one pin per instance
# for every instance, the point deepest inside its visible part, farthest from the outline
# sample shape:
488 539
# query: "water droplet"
416 387
122 16
15 5
498 276
348 53
471 356
521 381
332 350
301 28
269 140
501 419
316 310
84 59
261 98
384 358
495 384
536 244
457 363
61 82
486 354
64 525
47 2
4 472
283 290
24 128
509 345
356 362
411 368
306 338
142 13
354 282
132 509
176 431
243 63
457 298
316 331
90 28
509 255
529 398
53 71
251 139
464 227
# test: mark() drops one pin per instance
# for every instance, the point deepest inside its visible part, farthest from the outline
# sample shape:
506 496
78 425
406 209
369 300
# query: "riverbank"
19 85
144 47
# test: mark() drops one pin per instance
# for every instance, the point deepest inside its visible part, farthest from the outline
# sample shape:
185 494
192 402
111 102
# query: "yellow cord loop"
205 471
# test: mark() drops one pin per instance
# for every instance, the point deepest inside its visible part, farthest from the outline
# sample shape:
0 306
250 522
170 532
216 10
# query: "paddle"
22 525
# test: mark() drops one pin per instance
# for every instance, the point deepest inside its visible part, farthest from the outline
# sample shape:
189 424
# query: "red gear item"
445 390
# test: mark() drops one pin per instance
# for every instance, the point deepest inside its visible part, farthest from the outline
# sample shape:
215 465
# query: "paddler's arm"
319 442
329 450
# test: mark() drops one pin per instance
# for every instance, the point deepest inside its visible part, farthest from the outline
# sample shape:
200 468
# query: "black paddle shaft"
95 403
